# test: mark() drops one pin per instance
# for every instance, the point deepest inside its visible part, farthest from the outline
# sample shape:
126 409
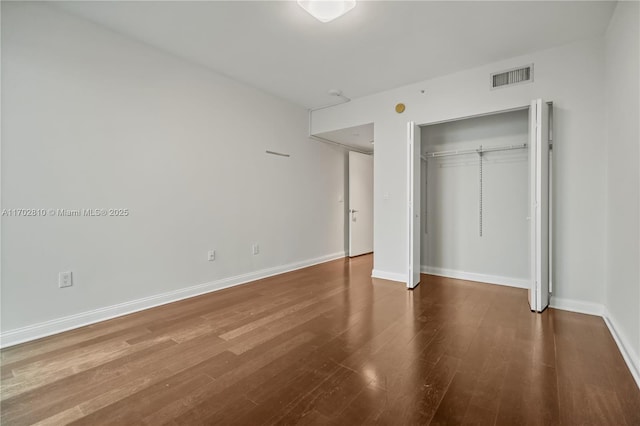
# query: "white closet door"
413 196
539 205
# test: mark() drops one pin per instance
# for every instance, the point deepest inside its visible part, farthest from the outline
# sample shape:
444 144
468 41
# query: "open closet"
478 190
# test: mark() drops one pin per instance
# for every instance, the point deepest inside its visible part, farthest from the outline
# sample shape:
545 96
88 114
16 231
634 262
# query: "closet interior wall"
469 228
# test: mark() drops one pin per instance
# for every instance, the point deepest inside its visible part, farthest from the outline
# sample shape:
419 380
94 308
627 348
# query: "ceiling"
277 47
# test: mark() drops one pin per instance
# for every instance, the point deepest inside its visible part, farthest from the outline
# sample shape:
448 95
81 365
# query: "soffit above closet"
278 47
359 138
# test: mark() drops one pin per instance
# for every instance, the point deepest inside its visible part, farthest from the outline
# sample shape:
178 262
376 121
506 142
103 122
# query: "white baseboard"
472 276
578 306
630 356
391 276
58 325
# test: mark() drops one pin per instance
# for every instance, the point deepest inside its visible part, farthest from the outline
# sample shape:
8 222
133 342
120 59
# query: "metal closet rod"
474 151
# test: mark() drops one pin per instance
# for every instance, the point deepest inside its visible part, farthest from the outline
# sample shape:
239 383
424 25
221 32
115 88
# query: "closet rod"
474 151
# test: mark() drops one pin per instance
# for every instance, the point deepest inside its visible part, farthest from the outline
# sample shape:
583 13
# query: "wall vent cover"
512 76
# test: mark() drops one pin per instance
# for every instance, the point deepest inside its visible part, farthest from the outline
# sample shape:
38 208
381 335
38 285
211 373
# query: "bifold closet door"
413 196
539 205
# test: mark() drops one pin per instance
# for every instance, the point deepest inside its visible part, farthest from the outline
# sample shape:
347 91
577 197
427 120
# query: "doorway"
358 142
360 204
478 191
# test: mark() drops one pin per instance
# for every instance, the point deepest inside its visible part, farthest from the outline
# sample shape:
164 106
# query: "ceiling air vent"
513 76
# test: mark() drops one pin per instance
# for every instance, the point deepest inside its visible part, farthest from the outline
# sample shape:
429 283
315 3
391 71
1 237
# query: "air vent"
513 76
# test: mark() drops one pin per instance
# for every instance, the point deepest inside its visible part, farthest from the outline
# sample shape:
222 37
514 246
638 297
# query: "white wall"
451 240
94 120
571 76
623 175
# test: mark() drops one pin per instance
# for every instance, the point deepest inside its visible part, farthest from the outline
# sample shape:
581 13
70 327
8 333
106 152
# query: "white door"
360 203
413 196
539 205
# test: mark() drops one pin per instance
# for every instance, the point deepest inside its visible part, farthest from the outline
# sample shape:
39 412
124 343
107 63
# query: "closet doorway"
478 191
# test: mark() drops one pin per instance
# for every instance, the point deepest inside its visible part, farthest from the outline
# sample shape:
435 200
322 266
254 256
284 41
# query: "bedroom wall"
91 119
572 76
623 178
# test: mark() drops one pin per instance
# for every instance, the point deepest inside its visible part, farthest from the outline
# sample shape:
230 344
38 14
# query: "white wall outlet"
211 256
65 279
255 249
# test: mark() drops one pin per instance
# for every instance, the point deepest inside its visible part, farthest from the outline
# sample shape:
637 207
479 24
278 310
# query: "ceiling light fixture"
327 10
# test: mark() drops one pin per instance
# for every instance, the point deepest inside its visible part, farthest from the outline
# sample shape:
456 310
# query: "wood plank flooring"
328 345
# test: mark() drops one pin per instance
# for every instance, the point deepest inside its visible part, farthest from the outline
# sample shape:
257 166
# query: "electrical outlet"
211 256
65 279
255 249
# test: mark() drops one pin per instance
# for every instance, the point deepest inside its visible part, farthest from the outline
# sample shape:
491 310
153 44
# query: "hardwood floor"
328 345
